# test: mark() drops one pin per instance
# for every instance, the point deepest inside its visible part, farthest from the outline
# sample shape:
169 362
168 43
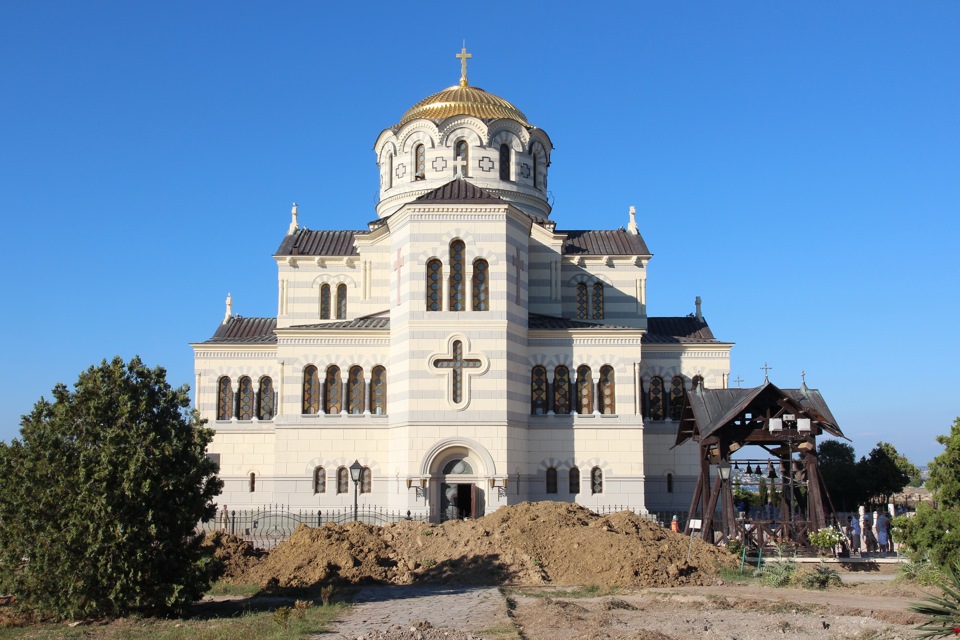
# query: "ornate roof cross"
396 267
459 367
464 56
738 381
803 376
518 263
766 370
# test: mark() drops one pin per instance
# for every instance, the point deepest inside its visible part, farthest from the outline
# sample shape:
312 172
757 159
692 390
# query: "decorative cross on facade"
459 367
738 381
766 370
396 267
486 164
439 164
518 263
460 166
464 56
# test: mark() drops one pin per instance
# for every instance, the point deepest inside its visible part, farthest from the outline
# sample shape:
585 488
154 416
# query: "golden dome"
463 100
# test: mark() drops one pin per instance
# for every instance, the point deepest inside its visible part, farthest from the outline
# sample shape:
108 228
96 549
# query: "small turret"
699 312
294 227
632 226
229 313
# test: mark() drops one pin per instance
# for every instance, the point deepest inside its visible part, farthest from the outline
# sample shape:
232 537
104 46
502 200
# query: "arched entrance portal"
459 471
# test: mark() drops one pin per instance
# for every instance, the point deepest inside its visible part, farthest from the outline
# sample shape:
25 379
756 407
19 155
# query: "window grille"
582 312
433 285
366 480
656 398
341 302
355 390
538 391
324 302
561 390
224 399
343 480
584 390
266 399
311 390
457 249
596 480
420 155
597 300
481 293
334 402
378 391
245 411
607 391
319 480
676 397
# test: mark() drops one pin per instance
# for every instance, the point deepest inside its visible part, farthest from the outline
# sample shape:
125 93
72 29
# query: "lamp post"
724 470
356 469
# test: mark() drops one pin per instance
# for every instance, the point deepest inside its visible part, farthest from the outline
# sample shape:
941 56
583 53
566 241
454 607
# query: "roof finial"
632 227
804 389
766 371
699 313
229 313
293 220
738 381
464 56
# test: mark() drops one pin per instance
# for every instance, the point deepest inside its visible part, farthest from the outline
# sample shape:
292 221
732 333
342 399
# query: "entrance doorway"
459 501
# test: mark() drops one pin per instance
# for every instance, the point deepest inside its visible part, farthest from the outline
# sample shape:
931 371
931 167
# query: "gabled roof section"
459 191
368 323
618 242
538 321
240 330
306 242
678 330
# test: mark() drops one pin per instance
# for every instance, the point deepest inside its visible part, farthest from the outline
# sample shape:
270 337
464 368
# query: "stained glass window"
433 285
245 408
341 301
481 291
224 399
597 300
538 391
311 390
584 390
355 391
319 480
378 391
420 154
551 479
456 275
334 399
266 399
574 480
656 398
366 480
324 302
253 482
343 480
676 397
461 159
561 390
582 312
596 480
607 391
504 162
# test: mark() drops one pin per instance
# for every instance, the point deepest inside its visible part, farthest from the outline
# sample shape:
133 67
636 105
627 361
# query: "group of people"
868 537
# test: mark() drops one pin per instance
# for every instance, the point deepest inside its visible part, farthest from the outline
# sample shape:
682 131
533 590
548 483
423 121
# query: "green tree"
881 473
100 496
838 469
944 479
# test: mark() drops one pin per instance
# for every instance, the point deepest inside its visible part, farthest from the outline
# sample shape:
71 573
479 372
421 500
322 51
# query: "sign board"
694 524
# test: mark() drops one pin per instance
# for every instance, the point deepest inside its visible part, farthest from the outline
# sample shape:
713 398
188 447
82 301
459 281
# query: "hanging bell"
770 472
749 470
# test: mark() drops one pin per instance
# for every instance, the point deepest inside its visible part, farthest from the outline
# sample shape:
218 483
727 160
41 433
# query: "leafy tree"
944 479
838 468
100 496
881 473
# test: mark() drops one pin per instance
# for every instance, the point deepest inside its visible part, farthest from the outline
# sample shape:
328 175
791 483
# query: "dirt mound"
419 631
530 543
237 556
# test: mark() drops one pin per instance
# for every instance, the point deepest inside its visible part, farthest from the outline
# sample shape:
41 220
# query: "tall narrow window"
265 410
596 480
355 391
378 391
343 480
676 397
252 486
584 390
224 399
582 312
319 480
561 390
366 480
598 300
334 399
574 480
461 159
324 302
245 405
504 162
607 391
669 483
538 391
656 398
341 302
420 156
457 250
481 294
536 172
551 479
311 390
433 285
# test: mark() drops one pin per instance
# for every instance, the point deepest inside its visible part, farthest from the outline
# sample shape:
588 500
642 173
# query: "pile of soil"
529 544
237 556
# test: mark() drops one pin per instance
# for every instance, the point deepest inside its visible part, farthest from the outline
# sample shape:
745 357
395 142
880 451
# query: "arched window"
311 390
457 466
433 285
334 399
697 382
504 162
574 480
596 480
319 480
582 312
253 482
366 480
378 391
607 391
245 399
324 302
343 480
597 300
551 479
481 293
265 410
676 397
420 162
656 398
538 391
341 302
584 390
457 249
561 390
669 483
224 399
461 159
355 391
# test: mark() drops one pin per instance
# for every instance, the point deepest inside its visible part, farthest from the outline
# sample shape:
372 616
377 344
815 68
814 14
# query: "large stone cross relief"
520 266
459 369
396 267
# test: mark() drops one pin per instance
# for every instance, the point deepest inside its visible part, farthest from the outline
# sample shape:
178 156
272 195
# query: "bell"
770 472
749 470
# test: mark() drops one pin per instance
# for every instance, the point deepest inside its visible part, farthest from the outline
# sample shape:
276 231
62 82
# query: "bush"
820 578
777 574
100 497
943 612
930 534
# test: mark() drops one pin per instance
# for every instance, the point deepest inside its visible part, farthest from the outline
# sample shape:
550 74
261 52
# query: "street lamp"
356 470
724 470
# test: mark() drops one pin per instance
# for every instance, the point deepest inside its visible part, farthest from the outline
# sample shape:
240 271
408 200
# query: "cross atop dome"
464 56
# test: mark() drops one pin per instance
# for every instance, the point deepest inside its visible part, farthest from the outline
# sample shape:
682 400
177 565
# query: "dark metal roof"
377 322
245 330
619 242
673 330
459 191
306 242
537 321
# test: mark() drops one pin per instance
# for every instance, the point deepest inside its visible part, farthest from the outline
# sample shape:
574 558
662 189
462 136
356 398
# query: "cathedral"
464 349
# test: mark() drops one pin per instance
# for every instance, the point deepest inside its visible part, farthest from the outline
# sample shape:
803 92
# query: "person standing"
854 536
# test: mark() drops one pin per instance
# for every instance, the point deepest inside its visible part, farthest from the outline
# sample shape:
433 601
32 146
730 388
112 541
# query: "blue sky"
795 164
